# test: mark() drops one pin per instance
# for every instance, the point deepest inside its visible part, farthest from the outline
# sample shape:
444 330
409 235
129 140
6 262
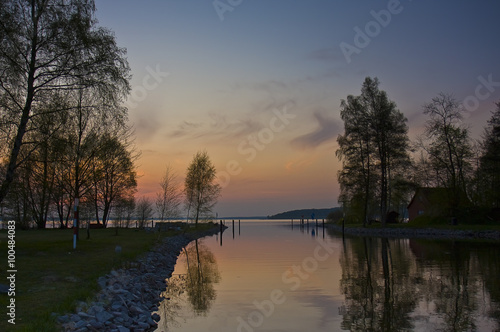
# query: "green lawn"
52 277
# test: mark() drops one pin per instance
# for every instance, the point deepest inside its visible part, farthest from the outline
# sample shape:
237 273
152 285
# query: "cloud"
145 127
327 130
217 126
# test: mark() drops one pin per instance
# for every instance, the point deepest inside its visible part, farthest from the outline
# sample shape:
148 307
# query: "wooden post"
75 222
221 232
239 227
233 228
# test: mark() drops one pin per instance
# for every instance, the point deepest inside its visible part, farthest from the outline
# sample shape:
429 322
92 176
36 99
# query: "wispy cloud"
146 126
327 129
216 125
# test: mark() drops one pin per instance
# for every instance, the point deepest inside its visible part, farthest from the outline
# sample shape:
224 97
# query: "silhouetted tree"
374 149
144 211
448 146
489 169
168 199
50 48
201 190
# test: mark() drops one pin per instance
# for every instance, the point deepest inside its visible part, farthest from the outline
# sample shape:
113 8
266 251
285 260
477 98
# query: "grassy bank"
52 277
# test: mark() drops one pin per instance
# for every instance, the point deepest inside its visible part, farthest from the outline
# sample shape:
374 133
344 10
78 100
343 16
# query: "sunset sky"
258 84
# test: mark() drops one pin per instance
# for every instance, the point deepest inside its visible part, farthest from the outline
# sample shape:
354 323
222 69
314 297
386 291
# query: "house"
430 201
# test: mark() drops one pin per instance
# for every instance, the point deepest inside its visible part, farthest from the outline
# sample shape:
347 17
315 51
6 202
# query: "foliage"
62 81
52 51
374 153
200 189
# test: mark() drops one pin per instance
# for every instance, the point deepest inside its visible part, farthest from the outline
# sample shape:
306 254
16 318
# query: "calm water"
271 277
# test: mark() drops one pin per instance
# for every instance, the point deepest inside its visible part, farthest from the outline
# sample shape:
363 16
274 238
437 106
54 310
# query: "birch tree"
201 190
168 199
50 48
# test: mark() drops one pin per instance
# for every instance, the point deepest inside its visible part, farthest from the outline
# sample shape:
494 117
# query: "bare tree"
449 146
144 211
200 189
168 200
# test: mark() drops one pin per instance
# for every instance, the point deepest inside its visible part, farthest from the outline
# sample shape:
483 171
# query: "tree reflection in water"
401 284
202 273
195 286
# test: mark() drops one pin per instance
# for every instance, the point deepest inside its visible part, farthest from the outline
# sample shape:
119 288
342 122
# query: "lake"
272 277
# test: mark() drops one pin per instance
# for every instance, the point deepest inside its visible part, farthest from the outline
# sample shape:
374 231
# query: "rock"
95 309
84 315
96 325
75 318
102 281
155 317
4 289
63 319
104 316
151 322
123 329
80 324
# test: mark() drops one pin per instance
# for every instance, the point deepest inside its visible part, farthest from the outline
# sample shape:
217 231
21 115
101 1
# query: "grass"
52 277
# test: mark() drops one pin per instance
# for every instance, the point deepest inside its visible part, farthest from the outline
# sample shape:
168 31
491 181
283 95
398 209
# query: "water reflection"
202 273
401 284
194 288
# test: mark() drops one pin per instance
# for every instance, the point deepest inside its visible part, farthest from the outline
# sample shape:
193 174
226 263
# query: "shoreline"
422 233
129 295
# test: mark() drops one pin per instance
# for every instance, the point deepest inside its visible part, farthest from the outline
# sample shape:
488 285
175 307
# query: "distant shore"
428 233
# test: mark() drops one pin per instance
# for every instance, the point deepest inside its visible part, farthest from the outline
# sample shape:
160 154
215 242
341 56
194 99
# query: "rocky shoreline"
427 233
129 295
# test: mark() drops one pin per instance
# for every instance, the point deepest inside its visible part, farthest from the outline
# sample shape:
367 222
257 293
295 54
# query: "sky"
258 84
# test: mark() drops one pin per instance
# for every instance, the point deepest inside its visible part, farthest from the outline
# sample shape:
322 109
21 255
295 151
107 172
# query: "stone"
104 316
102 281
95 309
80 324
123 329
76 318
96 325
4 289
116 306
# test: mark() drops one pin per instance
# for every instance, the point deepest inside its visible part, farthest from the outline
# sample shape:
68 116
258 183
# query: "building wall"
416 208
